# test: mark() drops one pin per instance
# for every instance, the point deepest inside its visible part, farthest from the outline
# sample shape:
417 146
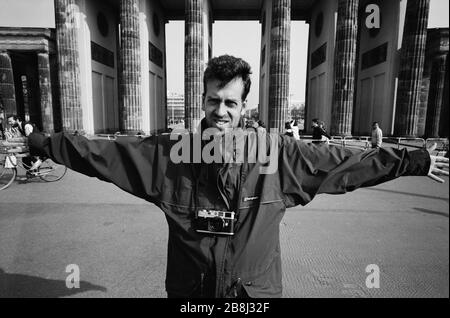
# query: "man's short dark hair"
14 117
225 68
375 122
315 120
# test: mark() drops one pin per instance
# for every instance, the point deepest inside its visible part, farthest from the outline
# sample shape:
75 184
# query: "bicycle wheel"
50 171
7 176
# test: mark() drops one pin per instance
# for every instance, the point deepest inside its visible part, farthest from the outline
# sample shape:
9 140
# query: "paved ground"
119 242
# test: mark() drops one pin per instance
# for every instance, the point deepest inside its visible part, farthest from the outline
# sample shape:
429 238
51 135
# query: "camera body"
215 222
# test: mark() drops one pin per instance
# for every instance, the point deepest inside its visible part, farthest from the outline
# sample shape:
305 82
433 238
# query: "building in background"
99 66
175 109
80 65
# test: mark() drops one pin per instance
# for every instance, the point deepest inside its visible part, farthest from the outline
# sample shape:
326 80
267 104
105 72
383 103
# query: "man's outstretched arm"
307 170
129 163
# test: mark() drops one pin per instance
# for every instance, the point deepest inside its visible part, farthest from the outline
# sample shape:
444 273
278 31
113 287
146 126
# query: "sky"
229 38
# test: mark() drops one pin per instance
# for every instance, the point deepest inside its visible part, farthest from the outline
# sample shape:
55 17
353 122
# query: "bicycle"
48 171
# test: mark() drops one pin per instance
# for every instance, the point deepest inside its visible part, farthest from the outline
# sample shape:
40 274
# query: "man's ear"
203 101
244 107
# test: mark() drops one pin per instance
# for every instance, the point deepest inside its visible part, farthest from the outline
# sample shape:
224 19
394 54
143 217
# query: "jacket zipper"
228 239
209 257
224 197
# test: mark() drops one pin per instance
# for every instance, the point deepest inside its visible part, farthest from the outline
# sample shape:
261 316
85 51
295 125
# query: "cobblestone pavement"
119 241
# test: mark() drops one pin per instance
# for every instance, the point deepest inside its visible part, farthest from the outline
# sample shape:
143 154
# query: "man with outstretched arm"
224 217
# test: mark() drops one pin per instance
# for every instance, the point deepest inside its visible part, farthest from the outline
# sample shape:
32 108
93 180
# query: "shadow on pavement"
409 194
431 212
25 286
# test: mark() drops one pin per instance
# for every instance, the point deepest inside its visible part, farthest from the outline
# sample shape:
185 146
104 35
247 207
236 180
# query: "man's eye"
231 103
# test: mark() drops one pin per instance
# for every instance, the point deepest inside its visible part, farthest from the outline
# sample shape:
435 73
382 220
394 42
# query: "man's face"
375 126
12 122
224 107
314 124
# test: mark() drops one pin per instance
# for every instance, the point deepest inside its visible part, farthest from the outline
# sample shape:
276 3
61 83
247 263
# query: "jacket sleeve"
134 165
307 169
379 137
324 133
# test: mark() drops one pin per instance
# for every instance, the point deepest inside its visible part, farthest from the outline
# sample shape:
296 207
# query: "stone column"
411 68
7 89
130 70
344 67
435 96
45 87
443 129
68 64
279 63
423 97
194 63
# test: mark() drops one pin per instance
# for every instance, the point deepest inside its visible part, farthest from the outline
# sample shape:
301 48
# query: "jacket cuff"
419 163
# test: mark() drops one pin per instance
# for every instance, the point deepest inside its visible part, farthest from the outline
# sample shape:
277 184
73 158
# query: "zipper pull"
237 285
202 277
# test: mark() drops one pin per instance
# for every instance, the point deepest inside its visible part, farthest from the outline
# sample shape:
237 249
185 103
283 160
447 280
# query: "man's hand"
437 165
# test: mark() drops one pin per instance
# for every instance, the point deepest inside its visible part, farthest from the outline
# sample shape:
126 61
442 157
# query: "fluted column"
7 90
45 88
344 67
279 63
130 58
423 98
411 68
68 64
193 74
435 96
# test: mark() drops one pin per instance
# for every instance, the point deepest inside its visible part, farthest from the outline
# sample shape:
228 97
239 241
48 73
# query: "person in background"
295 129
288 129
325 135
25 129
319 131
377 135
259 125
2 128
249 124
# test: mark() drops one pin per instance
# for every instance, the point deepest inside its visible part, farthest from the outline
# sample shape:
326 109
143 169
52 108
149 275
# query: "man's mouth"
221 122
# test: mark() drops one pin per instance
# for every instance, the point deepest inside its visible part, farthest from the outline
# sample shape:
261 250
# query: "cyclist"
24 129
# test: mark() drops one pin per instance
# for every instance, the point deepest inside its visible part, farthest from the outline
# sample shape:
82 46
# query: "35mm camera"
215 222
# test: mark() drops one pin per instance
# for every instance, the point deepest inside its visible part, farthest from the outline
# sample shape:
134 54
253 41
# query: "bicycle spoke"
50 171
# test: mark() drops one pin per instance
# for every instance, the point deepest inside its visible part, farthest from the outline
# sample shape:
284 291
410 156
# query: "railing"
118 135
360 142
442 145
398 141
349 142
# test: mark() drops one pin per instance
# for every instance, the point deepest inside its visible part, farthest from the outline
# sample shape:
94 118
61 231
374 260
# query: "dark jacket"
203 265
317 134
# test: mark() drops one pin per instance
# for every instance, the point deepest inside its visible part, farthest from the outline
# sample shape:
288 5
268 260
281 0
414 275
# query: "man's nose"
221 110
